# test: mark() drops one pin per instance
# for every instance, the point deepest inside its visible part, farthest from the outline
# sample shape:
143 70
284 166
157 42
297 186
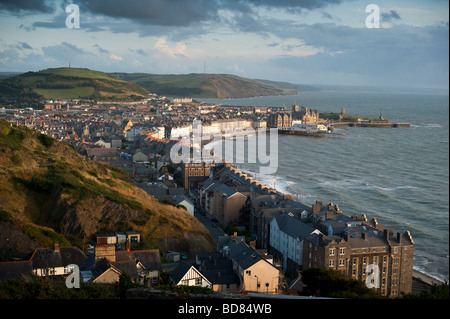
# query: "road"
215 231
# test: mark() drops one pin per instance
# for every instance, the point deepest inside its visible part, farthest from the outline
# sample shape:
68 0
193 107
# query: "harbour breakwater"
368 124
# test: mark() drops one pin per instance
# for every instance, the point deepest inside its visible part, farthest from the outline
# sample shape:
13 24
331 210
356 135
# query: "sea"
400 176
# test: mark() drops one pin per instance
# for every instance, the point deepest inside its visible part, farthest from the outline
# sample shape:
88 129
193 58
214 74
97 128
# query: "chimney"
399 236
364 236
408 235
128 246
316 207
388 233
56 248
374 222
329 215
321 236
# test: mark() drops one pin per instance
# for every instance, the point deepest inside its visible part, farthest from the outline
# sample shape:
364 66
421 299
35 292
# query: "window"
331 263
355 261
341 262
248 272
341 251
332 251
198 281
375 259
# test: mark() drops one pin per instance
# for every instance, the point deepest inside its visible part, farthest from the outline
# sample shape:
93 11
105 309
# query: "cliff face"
230 86
49 192
90 216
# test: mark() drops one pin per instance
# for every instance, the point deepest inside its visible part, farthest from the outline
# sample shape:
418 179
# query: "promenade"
422 282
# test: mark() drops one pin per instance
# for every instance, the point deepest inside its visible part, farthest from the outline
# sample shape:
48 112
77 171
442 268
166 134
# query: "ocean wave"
424 270
346 183
362 184
276 182
394 188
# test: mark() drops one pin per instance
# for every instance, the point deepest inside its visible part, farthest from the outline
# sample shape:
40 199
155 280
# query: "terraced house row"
300 237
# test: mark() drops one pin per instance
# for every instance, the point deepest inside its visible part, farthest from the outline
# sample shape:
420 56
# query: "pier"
369 124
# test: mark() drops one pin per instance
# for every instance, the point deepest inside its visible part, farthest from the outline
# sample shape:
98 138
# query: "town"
283 236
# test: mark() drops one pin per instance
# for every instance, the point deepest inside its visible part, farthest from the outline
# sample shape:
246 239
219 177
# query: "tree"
125 283
436 291
331 283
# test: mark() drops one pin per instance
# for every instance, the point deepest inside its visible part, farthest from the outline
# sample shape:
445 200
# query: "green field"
203 85
61 83
66 93
78 72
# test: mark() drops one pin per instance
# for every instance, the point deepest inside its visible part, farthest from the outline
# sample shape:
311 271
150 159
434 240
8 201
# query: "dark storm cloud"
187 12
299 4
390 16
157 12
17 6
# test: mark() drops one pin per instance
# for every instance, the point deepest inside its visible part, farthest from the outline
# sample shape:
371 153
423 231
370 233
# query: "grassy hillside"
203 85
67 83
49 192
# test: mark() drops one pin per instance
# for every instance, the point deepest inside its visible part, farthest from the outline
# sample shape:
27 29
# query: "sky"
325 42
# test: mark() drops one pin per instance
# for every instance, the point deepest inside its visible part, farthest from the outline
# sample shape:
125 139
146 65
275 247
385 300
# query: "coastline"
421 279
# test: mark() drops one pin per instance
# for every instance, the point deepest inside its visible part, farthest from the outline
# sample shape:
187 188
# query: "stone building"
227 204
307 116
194 173
379 258
280 119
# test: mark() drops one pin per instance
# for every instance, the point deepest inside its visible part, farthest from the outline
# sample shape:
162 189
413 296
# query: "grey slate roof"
244 255
46 258
226 190
150 259
292 226
180 271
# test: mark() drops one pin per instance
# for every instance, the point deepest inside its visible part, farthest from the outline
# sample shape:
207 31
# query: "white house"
186 202
102 143
286 240
140 157
187 275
